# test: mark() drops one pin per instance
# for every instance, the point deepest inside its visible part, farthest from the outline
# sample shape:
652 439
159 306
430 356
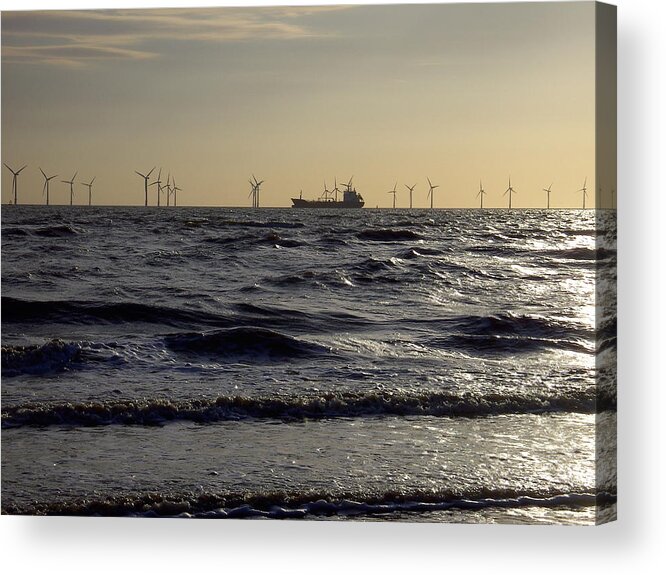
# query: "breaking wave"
55 355
298 407
311 503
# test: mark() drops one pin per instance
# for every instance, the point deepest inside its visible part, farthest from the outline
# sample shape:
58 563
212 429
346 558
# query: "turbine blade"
151 171
139 173
23 168
43 174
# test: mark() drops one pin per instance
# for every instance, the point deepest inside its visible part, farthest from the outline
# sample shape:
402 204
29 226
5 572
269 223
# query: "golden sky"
457 93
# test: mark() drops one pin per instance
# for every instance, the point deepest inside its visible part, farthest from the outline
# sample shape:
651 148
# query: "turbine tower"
176 189
47 180
336 189
89 186
411 189
394 192
584 190
431 193
168 188
255 190
14 183
481 193
327 193
71 188
509 191
253 193
145 183
158 182
547 190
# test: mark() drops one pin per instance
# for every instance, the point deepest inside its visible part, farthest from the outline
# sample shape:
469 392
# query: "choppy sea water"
447 365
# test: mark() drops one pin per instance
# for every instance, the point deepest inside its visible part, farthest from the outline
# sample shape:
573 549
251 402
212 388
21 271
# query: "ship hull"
322 204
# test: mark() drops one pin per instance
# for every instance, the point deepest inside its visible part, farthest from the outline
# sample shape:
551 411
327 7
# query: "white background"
632 544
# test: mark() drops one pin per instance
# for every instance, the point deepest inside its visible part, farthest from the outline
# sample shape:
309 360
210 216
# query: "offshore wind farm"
196 324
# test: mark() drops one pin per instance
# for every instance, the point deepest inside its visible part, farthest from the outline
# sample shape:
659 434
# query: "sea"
452 366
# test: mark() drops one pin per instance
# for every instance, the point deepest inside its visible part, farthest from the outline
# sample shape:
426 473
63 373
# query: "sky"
299 96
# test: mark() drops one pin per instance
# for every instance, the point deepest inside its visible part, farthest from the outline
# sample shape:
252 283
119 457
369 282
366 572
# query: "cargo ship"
350 199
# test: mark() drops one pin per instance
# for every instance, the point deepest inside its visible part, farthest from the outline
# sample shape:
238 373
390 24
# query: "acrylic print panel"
321 263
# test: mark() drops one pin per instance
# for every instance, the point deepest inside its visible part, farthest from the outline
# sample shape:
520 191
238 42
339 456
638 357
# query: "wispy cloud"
77 38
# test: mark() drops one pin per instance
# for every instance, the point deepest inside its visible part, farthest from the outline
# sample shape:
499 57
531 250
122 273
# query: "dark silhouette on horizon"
509 191
394 192
584 190
14 181
547 190
431 193
158 183
481 193
411 189
71 188
89 186
145 183
47 181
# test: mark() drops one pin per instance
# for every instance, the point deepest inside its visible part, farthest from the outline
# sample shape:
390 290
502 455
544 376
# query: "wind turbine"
547 190
411 189
584 190
71 188
159 186
481 193
509 191
431 192
89 186
14 183
327 193
394 192
168 188
47 180
335 189
253 193
176 189
145 182
256 185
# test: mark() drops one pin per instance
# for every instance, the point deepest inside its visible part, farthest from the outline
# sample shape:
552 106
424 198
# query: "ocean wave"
299 407
11 231
419 252
255 343
517 324
387 235
589 254
497 344
259 224
607 334
509 332
55 355
310 503
313 321
271 238
16 310
56 231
